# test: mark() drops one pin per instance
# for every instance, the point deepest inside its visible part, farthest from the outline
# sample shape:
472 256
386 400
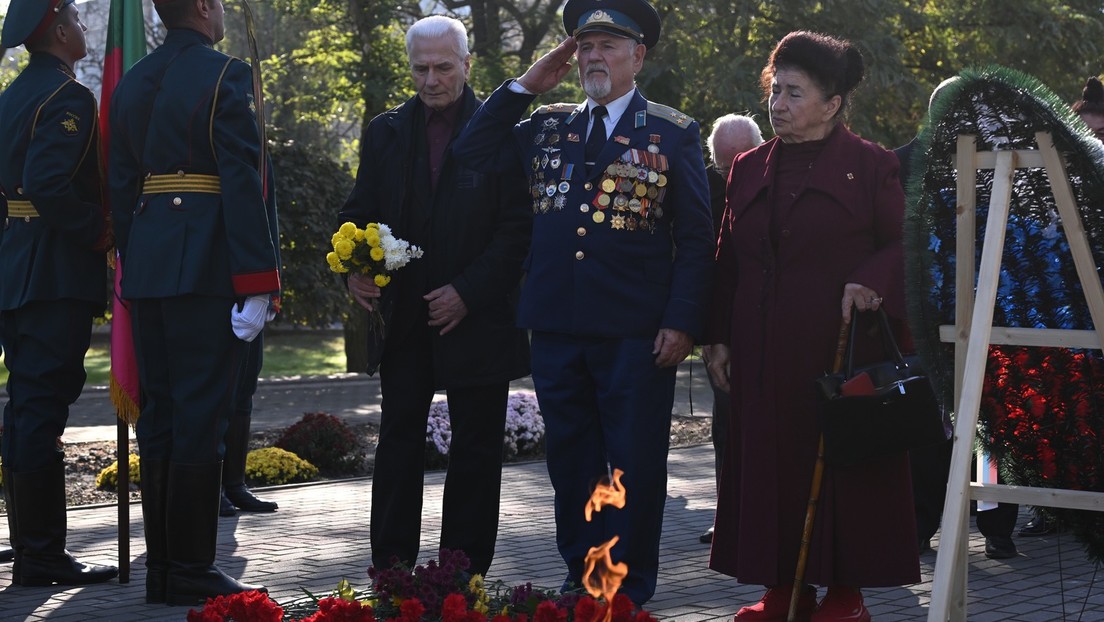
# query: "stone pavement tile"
320 536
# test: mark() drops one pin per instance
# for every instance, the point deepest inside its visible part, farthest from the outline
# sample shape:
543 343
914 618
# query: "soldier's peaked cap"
28 18
634 19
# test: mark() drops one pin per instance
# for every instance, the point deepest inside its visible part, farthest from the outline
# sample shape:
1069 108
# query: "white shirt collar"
614 110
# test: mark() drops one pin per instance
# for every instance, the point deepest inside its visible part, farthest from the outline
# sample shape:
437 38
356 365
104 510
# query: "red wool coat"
779 310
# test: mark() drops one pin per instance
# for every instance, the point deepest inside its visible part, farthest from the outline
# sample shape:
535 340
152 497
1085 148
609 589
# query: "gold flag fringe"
125 407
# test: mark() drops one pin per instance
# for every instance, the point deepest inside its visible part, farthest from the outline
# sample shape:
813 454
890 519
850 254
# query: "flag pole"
124 45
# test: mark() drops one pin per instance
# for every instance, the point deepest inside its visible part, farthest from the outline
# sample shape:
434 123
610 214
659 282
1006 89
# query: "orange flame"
609 574
603 581
606 493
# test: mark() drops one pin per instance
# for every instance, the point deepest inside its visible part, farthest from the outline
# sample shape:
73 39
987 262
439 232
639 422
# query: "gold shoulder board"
668 113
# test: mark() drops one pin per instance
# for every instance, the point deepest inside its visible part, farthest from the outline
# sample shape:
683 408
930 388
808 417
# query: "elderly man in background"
732 135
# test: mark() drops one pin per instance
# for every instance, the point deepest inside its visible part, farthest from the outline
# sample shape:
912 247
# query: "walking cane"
814 494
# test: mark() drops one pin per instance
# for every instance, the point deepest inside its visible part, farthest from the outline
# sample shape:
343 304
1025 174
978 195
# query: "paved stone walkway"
320 536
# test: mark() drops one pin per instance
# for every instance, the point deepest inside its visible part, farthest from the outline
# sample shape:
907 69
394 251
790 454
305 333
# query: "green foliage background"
331 65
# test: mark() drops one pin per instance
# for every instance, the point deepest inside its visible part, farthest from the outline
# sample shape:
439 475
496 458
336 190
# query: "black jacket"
475 234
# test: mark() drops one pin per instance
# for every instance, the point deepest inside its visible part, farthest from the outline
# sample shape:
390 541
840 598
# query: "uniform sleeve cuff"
256 283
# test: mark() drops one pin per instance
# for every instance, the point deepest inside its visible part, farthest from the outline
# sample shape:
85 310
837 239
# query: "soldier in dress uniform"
53 278
617 275
201 269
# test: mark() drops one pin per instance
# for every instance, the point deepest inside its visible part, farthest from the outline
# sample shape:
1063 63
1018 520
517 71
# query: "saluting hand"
671 347
446 308
364 290
549 69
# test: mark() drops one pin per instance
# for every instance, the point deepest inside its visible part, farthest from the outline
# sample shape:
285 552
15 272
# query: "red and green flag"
126 43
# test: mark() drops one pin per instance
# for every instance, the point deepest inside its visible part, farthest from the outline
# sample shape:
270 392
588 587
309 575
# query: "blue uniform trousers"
477 417
188 366
605 406
45 343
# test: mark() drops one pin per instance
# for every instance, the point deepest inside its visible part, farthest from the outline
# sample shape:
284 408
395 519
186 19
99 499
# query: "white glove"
249 322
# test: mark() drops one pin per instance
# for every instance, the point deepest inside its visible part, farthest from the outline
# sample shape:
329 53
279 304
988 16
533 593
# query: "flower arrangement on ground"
439 591
524 428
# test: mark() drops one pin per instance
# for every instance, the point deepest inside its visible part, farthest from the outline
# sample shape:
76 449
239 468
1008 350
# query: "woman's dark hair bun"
1092 97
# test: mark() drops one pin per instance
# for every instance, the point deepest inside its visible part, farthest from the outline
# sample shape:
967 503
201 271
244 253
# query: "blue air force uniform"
196 236
618 252
53 279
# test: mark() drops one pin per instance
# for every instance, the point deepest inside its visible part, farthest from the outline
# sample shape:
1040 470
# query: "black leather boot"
233 468
155 481
192 520
225 507
13 524
40 512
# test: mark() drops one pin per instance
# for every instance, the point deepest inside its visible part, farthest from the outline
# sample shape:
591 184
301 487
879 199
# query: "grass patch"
287 353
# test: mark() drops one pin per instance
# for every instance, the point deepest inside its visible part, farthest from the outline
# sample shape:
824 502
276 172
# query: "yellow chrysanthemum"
344 249
376 253
336 238
372 225
382 280
348 230
372 237
359 235
475 586
335 263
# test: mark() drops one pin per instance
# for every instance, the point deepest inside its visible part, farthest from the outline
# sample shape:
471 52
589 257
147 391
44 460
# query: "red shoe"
775 606
841 604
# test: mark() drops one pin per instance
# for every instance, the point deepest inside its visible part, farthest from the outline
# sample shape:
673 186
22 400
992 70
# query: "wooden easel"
972 334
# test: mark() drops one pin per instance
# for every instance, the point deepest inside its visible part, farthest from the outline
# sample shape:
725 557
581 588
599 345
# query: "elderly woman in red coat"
812 226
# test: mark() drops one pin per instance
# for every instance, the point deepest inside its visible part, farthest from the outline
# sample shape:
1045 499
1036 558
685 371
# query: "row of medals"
635 192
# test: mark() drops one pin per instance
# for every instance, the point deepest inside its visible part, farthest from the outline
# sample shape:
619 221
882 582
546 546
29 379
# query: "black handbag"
879 410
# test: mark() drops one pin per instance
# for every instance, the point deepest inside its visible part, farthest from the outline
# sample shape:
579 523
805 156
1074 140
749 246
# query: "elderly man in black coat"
450 314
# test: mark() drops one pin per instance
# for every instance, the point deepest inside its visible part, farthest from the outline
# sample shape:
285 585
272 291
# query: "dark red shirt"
440 126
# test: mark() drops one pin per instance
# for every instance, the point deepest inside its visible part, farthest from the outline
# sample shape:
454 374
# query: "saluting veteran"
617 275
53 278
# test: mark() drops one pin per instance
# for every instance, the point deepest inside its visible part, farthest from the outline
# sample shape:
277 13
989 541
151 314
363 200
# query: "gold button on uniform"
177 201
588 186
180 172
19 191
579 255
581 231
584 208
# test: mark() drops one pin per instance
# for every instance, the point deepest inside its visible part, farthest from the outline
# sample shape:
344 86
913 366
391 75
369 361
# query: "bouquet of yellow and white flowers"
373 251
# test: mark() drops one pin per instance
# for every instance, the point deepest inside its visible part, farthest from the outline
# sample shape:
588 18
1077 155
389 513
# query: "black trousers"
477 415
44 345
188 365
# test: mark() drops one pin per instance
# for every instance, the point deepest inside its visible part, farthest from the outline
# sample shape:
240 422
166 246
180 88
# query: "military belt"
155 184
21 209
